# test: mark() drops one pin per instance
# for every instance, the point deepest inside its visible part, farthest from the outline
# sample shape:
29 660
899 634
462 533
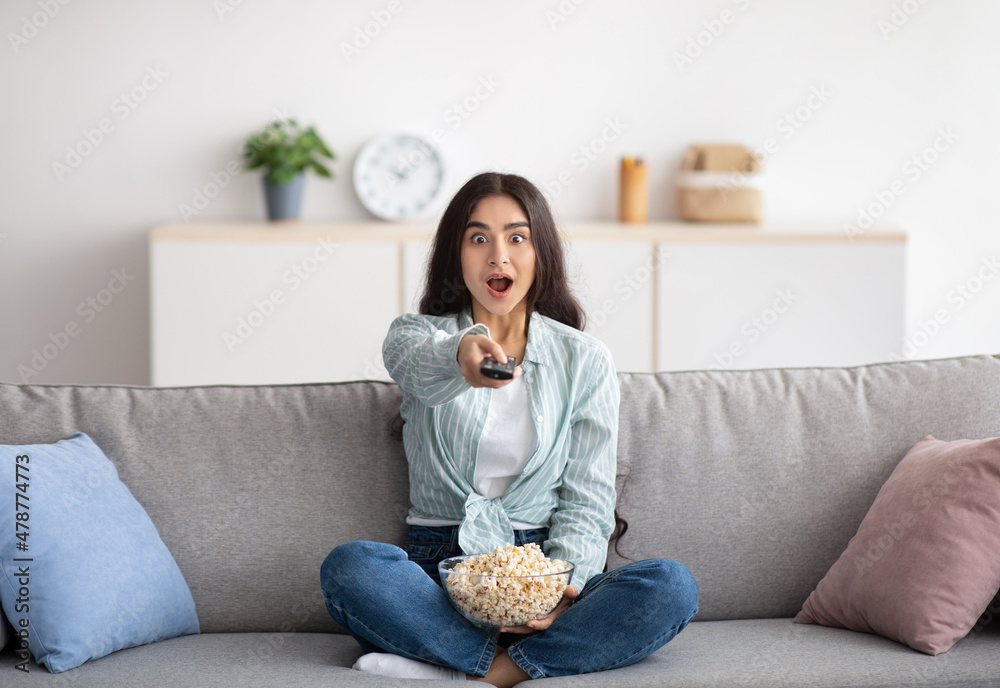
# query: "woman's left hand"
544 622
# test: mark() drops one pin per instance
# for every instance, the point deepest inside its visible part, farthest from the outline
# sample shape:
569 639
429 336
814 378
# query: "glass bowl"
494 601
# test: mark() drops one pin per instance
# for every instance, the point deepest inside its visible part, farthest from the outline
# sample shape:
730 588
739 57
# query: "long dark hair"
445 291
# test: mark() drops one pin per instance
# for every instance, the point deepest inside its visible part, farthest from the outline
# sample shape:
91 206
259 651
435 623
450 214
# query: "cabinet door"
614 283
270 312
766 305
416 254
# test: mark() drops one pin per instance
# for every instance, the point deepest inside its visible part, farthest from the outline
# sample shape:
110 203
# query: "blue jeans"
390 603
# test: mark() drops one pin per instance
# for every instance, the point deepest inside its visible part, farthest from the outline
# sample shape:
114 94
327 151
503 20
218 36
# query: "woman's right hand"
471 351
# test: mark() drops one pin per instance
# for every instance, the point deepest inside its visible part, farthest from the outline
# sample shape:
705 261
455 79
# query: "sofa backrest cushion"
757 480
249 487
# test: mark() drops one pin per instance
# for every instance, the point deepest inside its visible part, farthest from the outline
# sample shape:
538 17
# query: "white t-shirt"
508 441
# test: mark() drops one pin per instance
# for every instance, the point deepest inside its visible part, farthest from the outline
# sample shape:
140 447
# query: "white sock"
385 664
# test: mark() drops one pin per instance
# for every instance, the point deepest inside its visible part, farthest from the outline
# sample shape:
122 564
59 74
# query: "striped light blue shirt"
568 482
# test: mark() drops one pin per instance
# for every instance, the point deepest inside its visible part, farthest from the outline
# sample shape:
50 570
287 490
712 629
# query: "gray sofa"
756 480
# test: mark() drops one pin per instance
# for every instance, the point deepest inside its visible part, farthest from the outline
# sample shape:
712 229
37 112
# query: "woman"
527 459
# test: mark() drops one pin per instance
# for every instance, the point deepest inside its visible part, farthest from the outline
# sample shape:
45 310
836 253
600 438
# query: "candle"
633 193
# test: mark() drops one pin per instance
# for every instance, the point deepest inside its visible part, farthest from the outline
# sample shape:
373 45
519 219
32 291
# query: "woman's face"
498 257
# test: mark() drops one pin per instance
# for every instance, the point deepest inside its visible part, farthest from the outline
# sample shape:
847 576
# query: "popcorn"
495 595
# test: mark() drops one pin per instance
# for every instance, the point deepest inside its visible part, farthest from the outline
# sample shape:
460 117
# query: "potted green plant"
286 151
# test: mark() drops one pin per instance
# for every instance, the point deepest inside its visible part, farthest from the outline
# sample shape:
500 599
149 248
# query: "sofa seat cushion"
777 653
210 660
761 652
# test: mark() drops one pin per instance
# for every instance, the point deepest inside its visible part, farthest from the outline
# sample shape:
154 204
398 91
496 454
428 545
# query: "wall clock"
399 176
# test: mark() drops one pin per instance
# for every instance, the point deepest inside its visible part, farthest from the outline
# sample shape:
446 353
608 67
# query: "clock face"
398 176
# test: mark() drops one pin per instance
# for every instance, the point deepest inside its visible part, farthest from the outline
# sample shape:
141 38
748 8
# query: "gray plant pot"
284 200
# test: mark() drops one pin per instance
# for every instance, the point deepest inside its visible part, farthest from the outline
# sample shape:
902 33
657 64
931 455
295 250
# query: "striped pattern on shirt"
569 481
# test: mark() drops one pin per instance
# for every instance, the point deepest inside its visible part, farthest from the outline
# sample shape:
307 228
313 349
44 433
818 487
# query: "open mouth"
499 286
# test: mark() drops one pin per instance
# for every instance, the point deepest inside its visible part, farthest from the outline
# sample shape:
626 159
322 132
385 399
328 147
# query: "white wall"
217 76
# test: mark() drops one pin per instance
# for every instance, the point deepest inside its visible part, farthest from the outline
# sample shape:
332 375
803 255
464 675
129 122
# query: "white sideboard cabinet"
252 303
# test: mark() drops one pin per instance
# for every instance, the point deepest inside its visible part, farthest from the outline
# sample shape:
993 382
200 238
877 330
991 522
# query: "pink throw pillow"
925 561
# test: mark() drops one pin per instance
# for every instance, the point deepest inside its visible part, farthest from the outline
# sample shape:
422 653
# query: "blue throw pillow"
83 571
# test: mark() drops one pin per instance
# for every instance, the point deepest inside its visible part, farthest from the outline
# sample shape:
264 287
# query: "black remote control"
498 371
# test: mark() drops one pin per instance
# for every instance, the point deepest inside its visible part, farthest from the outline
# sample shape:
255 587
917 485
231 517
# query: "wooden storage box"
720 183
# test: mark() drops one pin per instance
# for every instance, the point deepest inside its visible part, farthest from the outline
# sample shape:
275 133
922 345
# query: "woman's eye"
479 239
517 238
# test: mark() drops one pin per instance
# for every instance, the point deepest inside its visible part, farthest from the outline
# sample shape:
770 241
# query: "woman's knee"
357 560
677 584
670 584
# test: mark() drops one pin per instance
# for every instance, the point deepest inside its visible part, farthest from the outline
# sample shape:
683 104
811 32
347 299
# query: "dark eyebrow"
507 227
